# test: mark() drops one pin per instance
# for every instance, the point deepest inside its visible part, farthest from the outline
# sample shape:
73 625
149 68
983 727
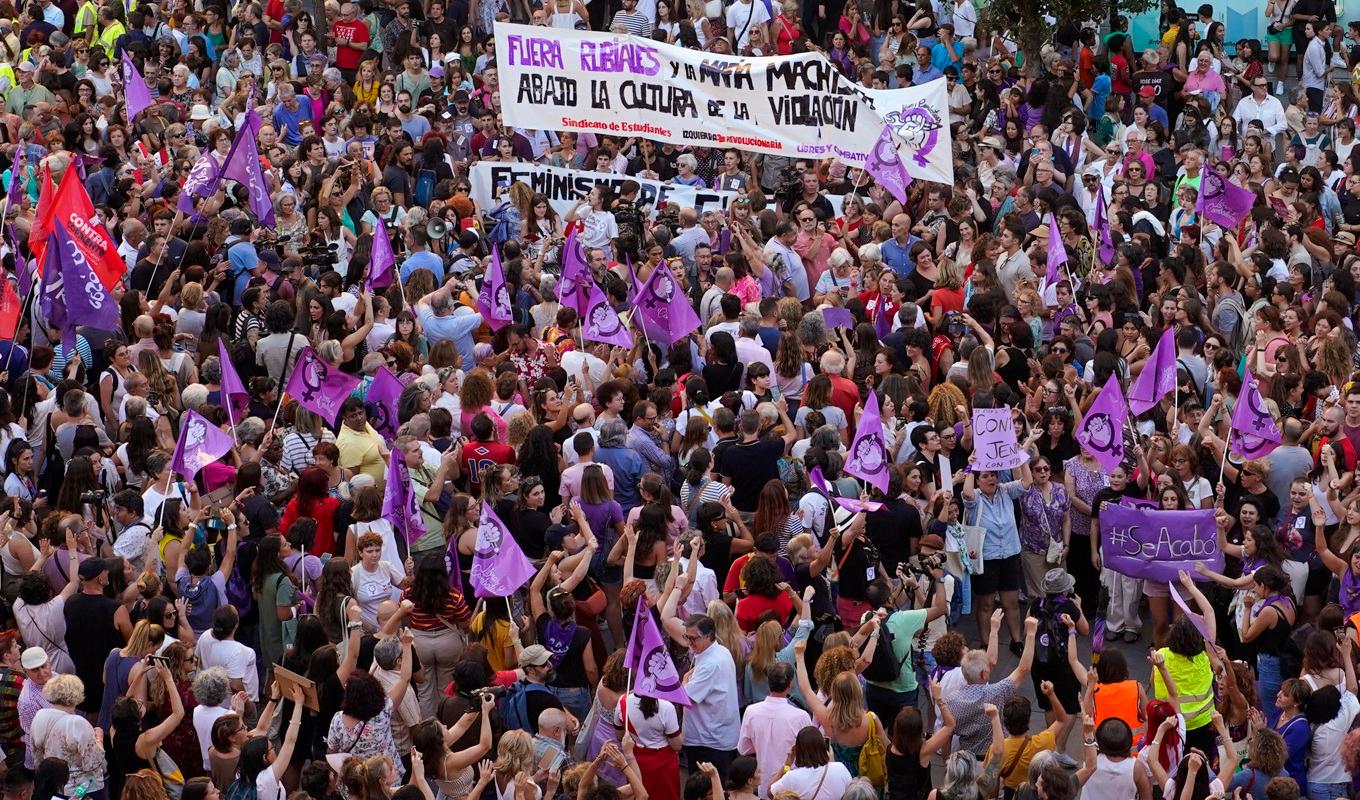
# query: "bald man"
142 328
689 237
550 743
710 306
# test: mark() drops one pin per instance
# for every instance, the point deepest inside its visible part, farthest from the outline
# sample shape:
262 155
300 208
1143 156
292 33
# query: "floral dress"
1041 522
372 737
1087 483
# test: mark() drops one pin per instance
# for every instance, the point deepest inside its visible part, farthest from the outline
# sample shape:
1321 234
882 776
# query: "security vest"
87 17
1194 679
1120 701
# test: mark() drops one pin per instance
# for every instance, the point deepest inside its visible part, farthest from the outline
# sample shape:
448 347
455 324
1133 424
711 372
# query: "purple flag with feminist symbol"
601 322
400 505
72 293
1057 251
235 398
381 402
573 289
886 166
499 567
1221 201
200 443
1158 376
654 673
868 457
663 308
381 260
243 166
134 89
1254 433
319 387
1103 225
203 181
1101 430
494 298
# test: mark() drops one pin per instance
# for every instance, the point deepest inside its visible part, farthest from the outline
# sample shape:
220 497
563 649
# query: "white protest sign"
563 187
994 443
797 106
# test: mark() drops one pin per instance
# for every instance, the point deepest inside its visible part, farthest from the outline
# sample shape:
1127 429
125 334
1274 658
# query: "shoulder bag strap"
695 494
1015 759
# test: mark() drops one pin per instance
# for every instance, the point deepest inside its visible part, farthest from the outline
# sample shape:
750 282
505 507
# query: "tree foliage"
1025 19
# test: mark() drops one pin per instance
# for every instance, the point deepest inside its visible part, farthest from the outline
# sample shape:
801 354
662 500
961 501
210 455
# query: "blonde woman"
292 225
513 767
843 717
145 640
947 295
61 732
728 634
703 29
769 647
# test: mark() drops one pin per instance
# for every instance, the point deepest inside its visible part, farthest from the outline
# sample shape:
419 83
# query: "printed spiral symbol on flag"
919 126
314 374
665 287
378 414
869 454
884 155
489 537
502 300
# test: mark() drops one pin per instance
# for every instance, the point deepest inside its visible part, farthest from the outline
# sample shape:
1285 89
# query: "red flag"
42 220
9 310
72 207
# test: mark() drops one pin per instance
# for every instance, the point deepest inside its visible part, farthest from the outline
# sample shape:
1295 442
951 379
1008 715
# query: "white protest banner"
563 187
994 443
797 106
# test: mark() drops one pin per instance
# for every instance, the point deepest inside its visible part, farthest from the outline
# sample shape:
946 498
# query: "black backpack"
1050 641
885 666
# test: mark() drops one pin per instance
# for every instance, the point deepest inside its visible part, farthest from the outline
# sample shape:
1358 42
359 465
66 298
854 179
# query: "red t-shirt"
477 455
274 10
752 607
356 31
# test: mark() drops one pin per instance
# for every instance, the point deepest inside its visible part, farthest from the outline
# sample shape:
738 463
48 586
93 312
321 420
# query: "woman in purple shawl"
1345 567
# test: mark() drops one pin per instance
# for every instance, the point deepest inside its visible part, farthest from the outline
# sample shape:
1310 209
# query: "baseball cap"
33 658
1147 91
28 66
317 58
535 655
92 568
437 71
460 96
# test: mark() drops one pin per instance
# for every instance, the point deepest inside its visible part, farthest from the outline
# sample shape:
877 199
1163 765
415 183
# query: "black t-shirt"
535 703
1350 208
1321 8
821 593
858 568
1108 495
90 635
1156 78
570 669
749 466
892 530
528 528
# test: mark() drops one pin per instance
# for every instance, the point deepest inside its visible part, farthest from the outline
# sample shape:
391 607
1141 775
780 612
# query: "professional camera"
94 496
318 255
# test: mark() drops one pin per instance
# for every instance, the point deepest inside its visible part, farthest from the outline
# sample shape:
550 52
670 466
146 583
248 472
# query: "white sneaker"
1270 67
1279 88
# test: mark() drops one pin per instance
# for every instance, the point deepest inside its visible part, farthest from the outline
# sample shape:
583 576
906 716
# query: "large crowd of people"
266 626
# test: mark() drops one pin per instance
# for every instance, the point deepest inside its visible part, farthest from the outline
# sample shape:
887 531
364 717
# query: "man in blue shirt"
948 53
421 258
414 124
896 251
242 255
289 114
442 319
927 73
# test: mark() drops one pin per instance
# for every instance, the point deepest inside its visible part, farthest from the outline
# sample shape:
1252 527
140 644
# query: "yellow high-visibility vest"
1194 679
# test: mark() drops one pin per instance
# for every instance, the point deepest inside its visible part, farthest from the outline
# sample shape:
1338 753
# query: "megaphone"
436 229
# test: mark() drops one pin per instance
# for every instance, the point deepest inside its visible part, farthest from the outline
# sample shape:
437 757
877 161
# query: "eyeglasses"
807 219
1060 351
1043 469
1210 346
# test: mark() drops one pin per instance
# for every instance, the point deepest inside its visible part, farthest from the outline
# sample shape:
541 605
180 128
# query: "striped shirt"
297 448
637 24
56 372
455 612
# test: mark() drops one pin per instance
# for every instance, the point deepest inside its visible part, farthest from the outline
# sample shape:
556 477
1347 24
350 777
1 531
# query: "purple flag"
135 90
234 395
573 290
1057 251
1158 376
203 181
243 166
602 323
200 444
1103 225
319 387
23 266
886 166
72 290
381 260
848 503
868 457
664 310
882 319
494 298
1101 430
381 402
1195 618
16 179
1254 433
400 506
1138 502
499 567
1221 201
634 285
654 673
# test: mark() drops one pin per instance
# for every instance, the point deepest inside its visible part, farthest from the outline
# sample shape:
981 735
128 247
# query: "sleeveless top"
1112 780
907 779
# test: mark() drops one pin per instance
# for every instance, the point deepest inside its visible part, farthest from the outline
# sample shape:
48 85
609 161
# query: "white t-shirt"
267 786
1325 764
682 421
204 719
371 588
383 528
655 731
600 228
742 17
236 658
805 781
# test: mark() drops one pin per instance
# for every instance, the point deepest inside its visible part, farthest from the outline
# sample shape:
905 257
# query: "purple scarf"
558 638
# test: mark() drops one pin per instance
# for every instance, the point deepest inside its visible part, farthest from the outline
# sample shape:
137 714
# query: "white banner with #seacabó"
799 106
564 187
